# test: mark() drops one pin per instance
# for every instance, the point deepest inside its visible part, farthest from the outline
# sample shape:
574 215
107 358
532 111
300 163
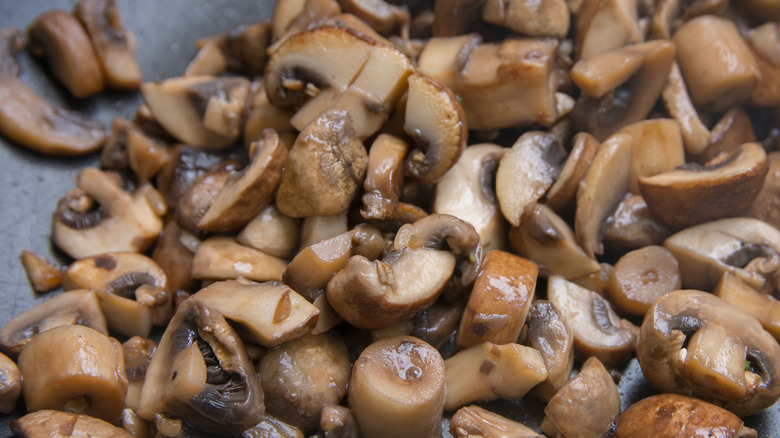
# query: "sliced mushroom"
58 37
633 226
240 49
658 148
397 389
549 333
765 45
311 14
274 427
100 217
51 423
765 308
114 45
723 187
474 421
642 276
562 195
174 253
678 104
209 61
10 384
732 130
28 119
384 177
601 26
135 425
196 200
766 207
441 58
550 18
271 232
379 14
598 330
694 343
201 374
137 352
436 324
260 115
222 258
42 273
59 371
315 229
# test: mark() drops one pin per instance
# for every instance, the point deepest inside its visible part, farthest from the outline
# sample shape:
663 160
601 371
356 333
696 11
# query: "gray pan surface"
31 185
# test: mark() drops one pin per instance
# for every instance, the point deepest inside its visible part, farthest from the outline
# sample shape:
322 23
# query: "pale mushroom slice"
174 252
658 148
59 371
488 372
678 104
114 45
268 313
467 191
99 216
271 232
633 226
765 308
29 120
725 186
499 301
640 277
693 343
441 57
208 61
766 206
601 26
201 111
260 115
310 14
222 258
59 38
49 422
315 229
562 194
10 384
43 274
598 330
384 177
765 45
549 333
587 405
474 421
526 171
546 19
745 247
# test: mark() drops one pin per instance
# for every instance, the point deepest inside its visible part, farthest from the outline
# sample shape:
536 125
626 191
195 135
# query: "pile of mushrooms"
363 217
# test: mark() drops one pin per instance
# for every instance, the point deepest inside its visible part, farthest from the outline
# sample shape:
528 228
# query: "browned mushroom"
601 26
474 421
384 177
51 423
550 18
765 308
549 333
640 277
10 384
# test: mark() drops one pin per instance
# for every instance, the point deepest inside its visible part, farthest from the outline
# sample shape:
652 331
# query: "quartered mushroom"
384 177
474 421
59 371
201 374
550 18
99 216
601 26
29 120
397 389
49 422
222 258
694 343
271 232
765 308
10 384
640 277
42 273
549 333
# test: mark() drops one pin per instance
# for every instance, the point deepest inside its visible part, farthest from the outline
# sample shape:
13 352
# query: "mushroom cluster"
363 217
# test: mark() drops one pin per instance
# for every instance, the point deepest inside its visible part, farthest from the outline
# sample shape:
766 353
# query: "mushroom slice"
246 193
725 186
42 273
642 276
268 314
174 253
240 49
260 115
384 177
546 238
765 45
58 37
100 217
202 111
676 415
28 119
209 61
587 405
379 14
658 148
315 229
436 324
633 226
604 25
325 168
474 421
201 374
137 352
271 232
732 130
549 333
467 191
397 389
59 371
598 330
562 195
550 18
435 121
765 308
302 376
132 289
10 384
694 343
114 45
187 164
197 199
678 104
488 372
74 307
499 302
51 423
441 57
526 171
766 206
222 258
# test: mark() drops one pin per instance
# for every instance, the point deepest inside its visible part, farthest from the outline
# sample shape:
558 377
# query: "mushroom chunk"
100 217
222 258
28 119
42 273
766 206
384 177
271 232
52 423
10 384
173 255
474 421
549 333
397 389
765 308
337 421
114 45
193 204
550 18
678 415
201 373
300 377
633 226
694 343
562 194
58 37
640 277
60 371
604 25
137 352
381 15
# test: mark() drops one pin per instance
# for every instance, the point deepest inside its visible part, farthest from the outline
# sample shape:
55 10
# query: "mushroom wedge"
694 343
201 374
49 422
29 120
474 421
222 258
384 177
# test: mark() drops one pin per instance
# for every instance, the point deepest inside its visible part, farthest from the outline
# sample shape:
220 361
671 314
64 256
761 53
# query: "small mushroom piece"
397 389
271 232
765 45
273 427
114 45
499 301
441 57
678 415
268 313
725 186
337 421
198 197
713 44
201 374
546 19
301 377
101 217
246 192
604 25
315 229
51 423
765 308
209 61
74 307
28 119
467 191
732 130
546 238
488 372
58 37
694 343
202 111
658 148
549 333
242 47
587 405
379 14
137 352
633 226
562 195
260 115
474 421
173 254
325 169
311 14
10 384
222 258
60 371
766 207
436 324
135 425
455 17
640 277
678 104
384 177
42 273
598 330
